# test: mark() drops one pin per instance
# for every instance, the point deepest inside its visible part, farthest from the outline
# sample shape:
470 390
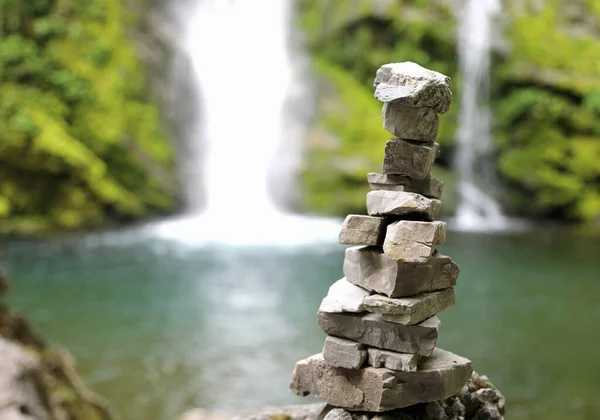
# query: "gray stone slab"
428 187
362 230
400 203
369 268
403 157
412 85
413 241
404 362
343 353
371 329
410 310
380 389
344 296
418 124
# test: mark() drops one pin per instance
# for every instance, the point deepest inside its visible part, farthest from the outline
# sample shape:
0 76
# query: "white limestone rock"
410 310
344 296
400 203
339 352
410 84
371 329
413 241
371 269
428 187
379 389
418 124
403 362
403 157
362 230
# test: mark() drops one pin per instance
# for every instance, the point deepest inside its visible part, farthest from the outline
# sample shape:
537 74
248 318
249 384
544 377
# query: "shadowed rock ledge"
478 400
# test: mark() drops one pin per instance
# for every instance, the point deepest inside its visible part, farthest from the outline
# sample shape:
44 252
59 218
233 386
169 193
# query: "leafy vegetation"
80 142
546 98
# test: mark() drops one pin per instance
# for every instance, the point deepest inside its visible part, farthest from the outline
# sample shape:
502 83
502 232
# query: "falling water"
478 209
241 61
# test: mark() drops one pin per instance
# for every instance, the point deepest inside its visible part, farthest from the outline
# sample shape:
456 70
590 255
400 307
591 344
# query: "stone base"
379 389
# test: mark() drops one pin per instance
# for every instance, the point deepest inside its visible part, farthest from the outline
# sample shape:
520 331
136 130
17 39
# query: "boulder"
404 362
419 124
404 157
362 230
410 310
413 241
428 187
400 203
344 296
412 85
339 352
379 389
371 269
371 329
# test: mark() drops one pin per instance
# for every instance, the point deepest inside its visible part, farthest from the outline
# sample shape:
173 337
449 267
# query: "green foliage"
79 141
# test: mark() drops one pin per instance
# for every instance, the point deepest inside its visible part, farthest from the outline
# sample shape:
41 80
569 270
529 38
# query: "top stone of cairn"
414 86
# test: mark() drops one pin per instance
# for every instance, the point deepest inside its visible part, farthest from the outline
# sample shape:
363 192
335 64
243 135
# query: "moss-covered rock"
545 97
80 142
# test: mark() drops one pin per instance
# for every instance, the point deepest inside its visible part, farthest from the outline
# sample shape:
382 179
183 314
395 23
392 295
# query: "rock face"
399 203
410 310
362 230
419 124
371 269
371 329
338 352
428 187
378 389
412 85
344 296
412 241
403 157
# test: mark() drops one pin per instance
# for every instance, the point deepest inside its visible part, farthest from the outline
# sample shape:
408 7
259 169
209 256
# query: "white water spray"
478 209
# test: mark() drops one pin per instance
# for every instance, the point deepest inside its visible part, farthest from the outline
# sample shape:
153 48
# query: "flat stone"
413 241
410 310
379 389
419 124
403 157
371 269
344 296
428 187
343 353
412 85
362 230
371 329
400 203
404 362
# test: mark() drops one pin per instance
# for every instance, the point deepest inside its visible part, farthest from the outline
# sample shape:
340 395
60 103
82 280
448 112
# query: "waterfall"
478 208
244 146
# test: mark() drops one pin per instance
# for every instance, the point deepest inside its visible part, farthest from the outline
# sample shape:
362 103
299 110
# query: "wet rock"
404 362
405 204
413 241
428 187
410 310
412 85
339 352
371 329
403 157
371 269
419 124
344 296
362 230
378 389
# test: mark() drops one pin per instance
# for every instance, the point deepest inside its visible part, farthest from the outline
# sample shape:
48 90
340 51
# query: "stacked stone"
380 319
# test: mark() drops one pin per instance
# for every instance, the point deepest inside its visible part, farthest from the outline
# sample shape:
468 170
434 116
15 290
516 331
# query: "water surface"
158 327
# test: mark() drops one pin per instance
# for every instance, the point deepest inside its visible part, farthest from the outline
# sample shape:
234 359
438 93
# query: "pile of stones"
380 353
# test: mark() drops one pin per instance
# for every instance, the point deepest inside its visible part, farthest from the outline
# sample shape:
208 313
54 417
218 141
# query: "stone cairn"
380 353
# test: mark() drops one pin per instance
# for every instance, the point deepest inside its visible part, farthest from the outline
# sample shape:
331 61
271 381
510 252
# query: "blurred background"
174 174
